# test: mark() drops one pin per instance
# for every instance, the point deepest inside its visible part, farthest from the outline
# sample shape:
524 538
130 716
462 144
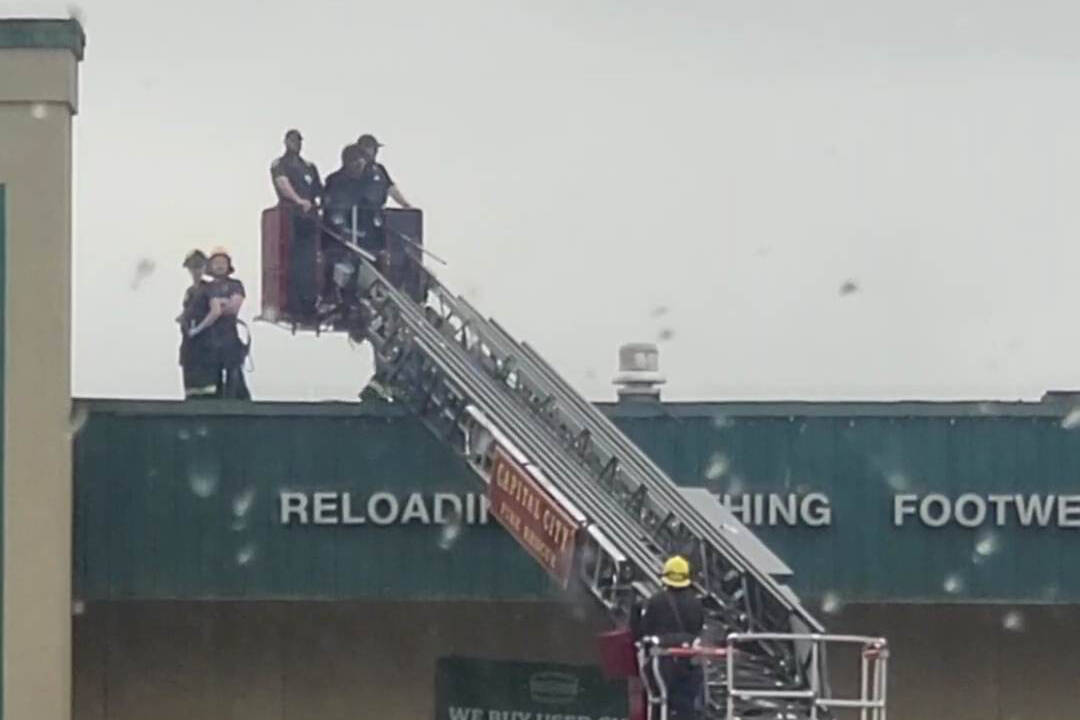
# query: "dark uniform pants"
197 368
685 685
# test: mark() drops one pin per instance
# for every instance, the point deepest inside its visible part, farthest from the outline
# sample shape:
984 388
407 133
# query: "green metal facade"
176 501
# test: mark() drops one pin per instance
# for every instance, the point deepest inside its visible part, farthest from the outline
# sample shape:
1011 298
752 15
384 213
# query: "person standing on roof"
298 187
195 363
227 352
675 616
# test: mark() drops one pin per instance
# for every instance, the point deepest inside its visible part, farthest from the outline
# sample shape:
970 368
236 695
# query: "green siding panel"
162 491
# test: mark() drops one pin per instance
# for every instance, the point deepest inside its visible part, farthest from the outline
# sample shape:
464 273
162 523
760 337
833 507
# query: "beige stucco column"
38 97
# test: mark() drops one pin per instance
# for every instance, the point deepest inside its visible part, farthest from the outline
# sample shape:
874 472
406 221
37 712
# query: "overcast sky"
603 171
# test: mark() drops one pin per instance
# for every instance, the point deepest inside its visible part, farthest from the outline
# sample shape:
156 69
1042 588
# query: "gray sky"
584 163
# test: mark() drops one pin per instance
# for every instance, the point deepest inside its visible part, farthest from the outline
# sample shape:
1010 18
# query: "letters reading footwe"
532 517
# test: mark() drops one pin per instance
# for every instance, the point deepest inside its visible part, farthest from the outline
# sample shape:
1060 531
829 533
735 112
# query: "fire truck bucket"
617 657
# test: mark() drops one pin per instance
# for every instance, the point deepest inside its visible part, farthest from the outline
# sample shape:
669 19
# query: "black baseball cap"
368 140
194 258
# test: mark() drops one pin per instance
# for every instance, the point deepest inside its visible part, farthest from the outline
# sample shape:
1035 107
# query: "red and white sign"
528 513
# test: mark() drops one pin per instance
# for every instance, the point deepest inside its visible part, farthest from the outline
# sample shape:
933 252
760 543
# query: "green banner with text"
468 689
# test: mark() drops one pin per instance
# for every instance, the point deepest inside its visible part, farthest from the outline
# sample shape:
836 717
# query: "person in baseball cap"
195 364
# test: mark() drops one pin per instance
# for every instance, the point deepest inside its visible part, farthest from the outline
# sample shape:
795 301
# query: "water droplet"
898 481
144 268
202 431
1013 621
246 555
183 434
722 422
1072 420
239 525
39 111
76 13
954 584
78 607
450 532
830 603
79 415
1050 592
242 502
659 311
203 484
718 465
987 543
849 287
666 334
736 486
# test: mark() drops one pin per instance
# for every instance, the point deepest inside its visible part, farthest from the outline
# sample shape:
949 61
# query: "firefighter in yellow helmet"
675 616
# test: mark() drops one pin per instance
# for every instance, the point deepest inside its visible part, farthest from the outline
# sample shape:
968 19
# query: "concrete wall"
338 661
37 100
299 661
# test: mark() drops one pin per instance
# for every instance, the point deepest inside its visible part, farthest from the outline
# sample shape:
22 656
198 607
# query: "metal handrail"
872 685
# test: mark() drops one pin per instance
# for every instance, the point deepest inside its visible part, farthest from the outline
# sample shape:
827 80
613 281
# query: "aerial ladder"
594 509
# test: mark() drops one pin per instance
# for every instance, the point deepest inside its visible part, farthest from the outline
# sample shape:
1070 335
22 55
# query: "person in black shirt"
225 296
378 183
675 616
296 181
195 362
298 187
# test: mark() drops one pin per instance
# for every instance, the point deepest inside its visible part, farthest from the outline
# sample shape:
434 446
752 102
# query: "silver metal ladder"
484 394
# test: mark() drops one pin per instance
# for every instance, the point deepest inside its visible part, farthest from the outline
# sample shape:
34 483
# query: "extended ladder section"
579 495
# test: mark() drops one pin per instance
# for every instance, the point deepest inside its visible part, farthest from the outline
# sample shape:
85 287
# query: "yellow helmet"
676 572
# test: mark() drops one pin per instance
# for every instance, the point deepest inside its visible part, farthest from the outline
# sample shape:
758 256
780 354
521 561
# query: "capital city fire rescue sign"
534 519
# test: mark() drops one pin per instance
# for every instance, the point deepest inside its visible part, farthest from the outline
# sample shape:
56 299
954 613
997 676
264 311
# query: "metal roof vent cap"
639 377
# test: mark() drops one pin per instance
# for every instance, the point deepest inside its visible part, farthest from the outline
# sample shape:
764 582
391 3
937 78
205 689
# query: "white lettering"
294 503
1000 502
1035 508
903 505
441 500
392 508
485 505
759 509
459 713
783 507
966 519
346 511
815 510
415 510
325 506
942 517
1068 511
742 512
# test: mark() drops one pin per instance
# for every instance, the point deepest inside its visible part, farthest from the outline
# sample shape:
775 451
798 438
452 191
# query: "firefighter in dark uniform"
675 616
376 186
341 194
298 187
195 361
225 296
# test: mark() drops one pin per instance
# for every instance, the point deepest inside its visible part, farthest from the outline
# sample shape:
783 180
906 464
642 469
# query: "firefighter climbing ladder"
497 402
